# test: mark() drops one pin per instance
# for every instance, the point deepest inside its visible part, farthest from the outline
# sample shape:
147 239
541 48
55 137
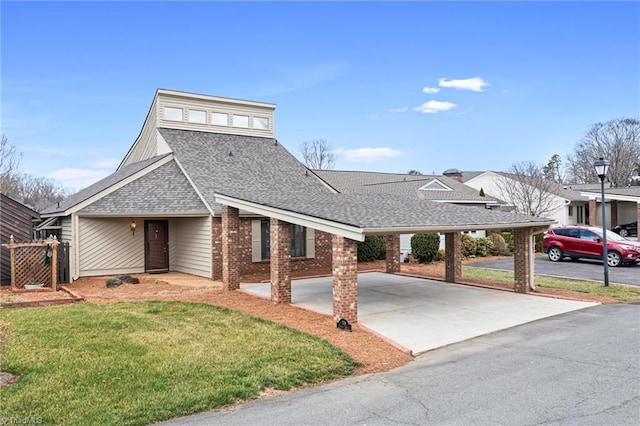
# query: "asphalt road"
580 368
580 269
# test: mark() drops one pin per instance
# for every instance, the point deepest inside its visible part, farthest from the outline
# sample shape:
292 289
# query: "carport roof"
357 215
620 194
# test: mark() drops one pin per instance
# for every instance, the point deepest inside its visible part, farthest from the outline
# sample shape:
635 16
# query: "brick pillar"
345 279
453 256
230 249
280 234
614 213
216 249
638 218
522 259
392 243
593 212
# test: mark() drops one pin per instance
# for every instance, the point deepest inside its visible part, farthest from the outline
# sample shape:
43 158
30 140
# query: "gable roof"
240 164
413 186
102 185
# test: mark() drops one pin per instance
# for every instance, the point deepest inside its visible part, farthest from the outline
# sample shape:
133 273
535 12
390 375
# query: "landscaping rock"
128 279
114 282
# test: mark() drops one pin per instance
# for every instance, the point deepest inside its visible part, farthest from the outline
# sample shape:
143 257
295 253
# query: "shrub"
469 245
484 246
539 240
499 244
372 248
441 255
425 247
508 237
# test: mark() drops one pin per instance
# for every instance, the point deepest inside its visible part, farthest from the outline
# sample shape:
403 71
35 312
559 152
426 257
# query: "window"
173 114
298 240
219 119
588 235
570 211
196 116
261 123
240 121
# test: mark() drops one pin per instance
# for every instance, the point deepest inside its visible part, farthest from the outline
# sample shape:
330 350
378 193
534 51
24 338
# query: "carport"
419 315
351 217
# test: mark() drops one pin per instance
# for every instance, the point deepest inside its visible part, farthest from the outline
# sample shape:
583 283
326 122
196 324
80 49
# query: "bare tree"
617 141
37 192
525 186
317 154
9 163
414 173
552 170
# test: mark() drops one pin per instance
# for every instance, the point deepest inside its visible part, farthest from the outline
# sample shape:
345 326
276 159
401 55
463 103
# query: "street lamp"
602 166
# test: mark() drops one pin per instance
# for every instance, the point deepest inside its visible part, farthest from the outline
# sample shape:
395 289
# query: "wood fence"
34 264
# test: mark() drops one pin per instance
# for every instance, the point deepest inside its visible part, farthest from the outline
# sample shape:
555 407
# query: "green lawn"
621 293
137 363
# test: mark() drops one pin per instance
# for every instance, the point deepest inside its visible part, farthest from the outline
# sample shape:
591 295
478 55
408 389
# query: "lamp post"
602 166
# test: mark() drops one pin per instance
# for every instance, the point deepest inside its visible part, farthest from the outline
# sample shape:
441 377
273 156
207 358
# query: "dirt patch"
7 379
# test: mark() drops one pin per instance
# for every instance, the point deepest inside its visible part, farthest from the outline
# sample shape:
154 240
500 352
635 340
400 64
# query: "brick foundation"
392 253
280 261
230 249
345 279
522 259
453 256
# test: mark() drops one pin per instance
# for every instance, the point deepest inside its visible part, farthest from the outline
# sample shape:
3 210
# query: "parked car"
585 242
626 229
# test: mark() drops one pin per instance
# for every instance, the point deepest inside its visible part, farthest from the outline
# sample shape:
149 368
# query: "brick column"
216 249
453 256
230 249
614 213
522 259
638 217
392 243
593 212
345 279
280 234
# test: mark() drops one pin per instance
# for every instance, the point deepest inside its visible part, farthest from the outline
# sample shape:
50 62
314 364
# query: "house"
566 206
15 219
206 189
438 188
622 205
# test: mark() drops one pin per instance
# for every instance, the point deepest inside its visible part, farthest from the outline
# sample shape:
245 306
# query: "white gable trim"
116 186
435 185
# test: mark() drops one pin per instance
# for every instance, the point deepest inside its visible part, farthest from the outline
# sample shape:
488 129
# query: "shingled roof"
360 182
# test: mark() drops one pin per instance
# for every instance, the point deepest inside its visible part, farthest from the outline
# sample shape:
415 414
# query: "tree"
317 154
414 173
552 170
525 186
9 163
37 192
617 141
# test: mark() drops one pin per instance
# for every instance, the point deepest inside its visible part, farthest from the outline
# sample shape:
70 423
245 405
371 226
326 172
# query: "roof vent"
230 154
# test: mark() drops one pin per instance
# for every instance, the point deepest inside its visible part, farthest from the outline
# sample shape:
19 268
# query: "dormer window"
241 121
435 185
261 123
219 119
196 116
173 114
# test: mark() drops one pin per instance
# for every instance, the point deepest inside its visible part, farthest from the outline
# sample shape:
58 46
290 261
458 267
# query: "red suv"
578 242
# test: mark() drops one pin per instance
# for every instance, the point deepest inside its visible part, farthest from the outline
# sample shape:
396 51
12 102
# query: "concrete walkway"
420 314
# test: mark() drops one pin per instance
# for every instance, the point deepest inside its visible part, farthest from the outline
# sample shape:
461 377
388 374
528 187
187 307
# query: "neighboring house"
622 204
15 219
438 188
157 211
568 207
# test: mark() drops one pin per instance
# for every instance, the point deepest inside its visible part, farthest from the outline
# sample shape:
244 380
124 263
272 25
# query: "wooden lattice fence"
33 263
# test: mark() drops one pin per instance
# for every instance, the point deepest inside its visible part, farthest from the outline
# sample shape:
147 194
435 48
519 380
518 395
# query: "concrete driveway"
578 269
420 314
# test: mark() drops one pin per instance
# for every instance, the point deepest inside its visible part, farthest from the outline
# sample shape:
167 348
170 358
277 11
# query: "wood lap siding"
190 246
16 220
108 247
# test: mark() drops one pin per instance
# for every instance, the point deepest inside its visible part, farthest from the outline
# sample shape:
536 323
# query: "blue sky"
391 86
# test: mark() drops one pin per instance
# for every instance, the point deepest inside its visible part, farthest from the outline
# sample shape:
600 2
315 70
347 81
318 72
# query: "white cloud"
76 179
427 89
368 155
475 84
403 109
106 163
433 107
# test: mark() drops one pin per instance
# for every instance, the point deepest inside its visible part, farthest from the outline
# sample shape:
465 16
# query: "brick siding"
345 279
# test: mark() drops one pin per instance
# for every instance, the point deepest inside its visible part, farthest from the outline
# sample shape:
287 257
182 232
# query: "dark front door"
156 236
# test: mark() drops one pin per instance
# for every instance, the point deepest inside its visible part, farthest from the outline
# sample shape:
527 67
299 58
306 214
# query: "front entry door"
156 237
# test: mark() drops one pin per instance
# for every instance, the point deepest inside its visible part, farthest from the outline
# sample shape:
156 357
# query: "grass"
137 363
621 293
